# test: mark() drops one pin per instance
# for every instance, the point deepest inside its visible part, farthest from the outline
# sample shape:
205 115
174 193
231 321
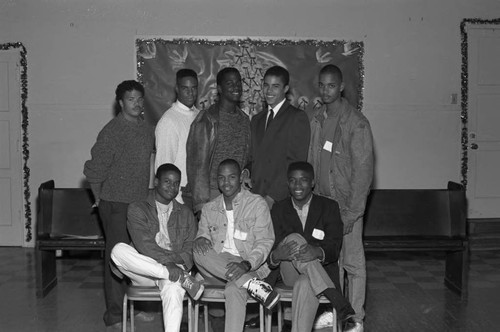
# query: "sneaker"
263 292
324 320
192 286
354 327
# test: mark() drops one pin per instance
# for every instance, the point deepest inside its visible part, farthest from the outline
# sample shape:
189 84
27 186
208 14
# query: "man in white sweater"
173 128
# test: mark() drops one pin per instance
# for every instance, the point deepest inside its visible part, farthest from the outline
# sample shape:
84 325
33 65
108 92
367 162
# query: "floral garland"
465 91
24 126
356 48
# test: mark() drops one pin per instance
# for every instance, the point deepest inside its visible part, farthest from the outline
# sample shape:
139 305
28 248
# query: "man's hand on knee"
174 272
309 253
235 270
286 251
202 245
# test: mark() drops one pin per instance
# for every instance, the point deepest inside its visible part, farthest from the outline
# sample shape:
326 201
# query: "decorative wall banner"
159 59
24 125
465 90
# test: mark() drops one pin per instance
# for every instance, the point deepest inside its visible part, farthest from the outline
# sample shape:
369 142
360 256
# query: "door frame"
465 25
23 80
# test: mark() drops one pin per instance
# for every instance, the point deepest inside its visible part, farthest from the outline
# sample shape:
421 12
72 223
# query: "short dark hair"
167 168
230 162
301 166
223 72
185 72
280 72
332 69
127 86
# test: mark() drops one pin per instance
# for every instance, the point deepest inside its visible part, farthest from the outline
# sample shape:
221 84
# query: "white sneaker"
358 327
324 320
263 292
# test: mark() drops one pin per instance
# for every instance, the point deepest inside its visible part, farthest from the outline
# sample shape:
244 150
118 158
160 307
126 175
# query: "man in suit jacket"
280 136
308 232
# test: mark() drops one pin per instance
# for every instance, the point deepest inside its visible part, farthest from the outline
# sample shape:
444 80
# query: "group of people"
248 203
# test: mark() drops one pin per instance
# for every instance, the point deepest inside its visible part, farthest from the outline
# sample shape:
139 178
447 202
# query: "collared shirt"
229 245
275 109
303 211
162 237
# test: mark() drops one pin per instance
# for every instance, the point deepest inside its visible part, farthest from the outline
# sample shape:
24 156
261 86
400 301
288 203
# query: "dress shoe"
351 326
253 323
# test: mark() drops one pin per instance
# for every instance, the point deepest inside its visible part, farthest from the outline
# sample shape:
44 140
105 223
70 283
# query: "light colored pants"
213 265
145 271
309 280
352 260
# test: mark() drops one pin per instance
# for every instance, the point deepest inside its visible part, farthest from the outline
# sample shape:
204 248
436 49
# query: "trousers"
114 222
352 261
309 280
213 265
145 271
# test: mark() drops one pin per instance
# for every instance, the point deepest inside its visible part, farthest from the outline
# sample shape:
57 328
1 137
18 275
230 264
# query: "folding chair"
286 296
214 293
143 293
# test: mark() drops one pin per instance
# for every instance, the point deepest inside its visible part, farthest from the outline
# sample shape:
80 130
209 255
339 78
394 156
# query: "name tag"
240 235
328 146
318 234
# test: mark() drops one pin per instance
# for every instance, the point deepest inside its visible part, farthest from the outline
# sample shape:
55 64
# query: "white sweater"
171 134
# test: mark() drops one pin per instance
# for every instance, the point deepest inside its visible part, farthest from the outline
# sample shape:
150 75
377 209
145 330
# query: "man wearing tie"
280 136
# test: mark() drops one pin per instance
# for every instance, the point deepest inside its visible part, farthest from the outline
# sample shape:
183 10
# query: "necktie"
270 118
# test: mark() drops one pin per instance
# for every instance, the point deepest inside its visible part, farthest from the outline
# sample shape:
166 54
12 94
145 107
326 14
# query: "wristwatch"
247 264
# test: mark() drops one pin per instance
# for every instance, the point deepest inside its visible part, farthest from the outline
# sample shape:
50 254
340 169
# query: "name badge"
239 235
328 146
318 234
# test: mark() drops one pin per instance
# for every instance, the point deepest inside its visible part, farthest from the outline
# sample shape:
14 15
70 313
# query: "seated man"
308 232
162 232
234 238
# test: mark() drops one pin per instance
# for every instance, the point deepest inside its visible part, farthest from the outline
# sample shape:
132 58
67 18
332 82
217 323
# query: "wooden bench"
421 220
66 221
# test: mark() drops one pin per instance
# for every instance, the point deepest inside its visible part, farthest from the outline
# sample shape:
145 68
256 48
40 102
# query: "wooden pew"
421 220
66 221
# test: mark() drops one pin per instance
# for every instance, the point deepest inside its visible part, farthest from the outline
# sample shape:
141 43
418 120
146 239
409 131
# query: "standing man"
118 173
161 253
218 133
234 238
172 129
308 232
341 153
280 136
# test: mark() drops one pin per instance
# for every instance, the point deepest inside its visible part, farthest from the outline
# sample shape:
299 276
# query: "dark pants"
114 220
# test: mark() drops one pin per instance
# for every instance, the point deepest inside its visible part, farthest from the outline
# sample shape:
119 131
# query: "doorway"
483 147
11 181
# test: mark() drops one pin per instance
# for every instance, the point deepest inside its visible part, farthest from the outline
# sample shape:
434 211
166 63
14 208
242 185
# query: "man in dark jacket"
280 136
221 132
162 232
308 232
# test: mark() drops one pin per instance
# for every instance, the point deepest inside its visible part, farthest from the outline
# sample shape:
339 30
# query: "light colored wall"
78 50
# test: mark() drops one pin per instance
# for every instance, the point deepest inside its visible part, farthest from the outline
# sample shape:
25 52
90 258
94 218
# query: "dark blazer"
324 215
285 141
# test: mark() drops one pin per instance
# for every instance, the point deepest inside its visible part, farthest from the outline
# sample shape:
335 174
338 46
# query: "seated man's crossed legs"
145 271
309 281
213 265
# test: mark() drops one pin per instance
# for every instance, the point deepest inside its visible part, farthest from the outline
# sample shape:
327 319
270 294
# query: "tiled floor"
405 293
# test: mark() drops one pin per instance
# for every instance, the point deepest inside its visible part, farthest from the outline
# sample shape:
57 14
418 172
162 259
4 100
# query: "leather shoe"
253 323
